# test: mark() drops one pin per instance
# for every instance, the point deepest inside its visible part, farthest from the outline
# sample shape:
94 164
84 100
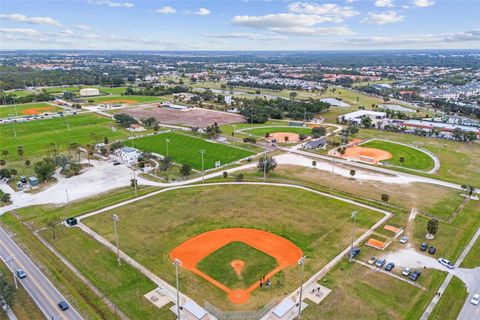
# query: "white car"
404 240
475 299
446 263
406 272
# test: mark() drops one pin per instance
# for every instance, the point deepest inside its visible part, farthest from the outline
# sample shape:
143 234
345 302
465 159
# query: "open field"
118 99
153 226
414 159
262 131
27 109
451 301
362 293
186 149
472 260
34 136
196 117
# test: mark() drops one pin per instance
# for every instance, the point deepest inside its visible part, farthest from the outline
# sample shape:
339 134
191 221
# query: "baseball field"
262 131
27 109
117 99
186 149
152 229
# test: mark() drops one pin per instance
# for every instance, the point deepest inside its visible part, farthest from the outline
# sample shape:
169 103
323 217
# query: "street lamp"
302 263
167 141
116 219
68 199
177 264
265 165
354 216
202 152
333 173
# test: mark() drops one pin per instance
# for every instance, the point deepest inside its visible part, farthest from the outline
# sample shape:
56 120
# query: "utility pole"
301 262
14 129
202 152
134 182
9 260
177 263
333 172
354 216
68 199
116 219
167 141
304 115
265 166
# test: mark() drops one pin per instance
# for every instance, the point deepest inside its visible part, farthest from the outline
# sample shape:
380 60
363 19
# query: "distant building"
33 181
314 144
89 92
228 100
356 117
128 155
136 128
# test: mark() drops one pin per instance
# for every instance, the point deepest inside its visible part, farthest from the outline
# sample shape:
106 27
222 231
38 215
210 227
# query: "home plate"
157 297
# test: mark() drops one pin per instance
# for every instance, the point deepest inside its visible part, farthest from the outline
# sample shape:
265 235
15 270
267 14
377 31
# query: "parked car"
404 240
355 251
415 275
390 266
116 163
432 250
21 274
372 260
446 263
406 272
424 247
475 299
380 263
63 305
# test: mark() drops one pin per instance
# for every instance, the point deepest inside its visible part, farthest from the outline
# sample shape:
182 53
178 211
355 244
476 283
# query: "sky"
239 24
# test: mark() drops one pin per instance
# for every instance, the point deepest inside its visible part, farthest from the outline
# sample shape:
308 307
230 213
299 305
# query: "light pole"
68 199
333 172
354 216
116 219
9 260
134 182
265 166
301 262
177 264
202 152
167 141
14 129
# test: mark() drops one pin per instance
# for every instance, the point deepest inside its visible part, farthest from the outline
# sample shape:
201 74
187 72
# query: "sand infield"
280 136
38 110
192 251
357 152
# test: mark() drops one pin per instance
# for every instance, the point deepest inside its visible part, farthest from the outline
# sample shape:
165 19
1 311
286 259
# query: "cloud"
423 3
166 10
247 36
17 17
384 3
350 1
383 17
112 4
202 12
16 31
83 27
333 11
290 23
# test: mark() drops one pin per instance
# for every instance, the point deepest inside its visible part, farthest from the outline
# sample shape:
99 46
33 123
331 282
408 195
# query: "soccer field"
414 159
35 135
186 149
153 227
27 109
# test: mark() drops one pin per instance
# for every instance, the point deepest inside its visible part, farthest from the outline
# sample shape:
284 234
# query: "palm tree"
314 163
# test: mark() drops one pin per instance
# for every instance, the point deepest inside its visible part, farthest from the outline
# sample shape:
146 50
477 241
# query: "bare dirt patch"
195 117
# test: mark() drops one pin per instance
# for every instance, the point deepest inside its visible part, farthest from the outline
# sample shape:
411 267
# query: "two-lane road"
42 291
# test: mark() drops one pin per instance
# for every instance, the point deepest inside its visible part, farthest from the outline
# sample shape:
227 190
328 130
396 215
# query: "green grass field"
262 131
472 260
217 265
451 301
186 149
414 159
21 109
119 99
151 228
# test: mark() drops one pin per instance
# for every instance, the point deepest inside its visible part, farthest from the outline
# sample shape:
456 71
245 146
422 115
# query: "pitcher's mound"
238 265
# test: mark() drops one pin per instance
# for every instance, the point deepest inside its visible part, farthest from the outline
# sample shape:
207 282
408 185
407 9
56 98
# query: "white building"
356 117
128 155
228 100
89 92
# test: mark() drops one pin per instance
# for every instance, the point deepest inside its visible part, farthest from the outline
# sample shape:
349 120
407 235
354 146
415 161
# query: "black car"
63 305
424 247
355 251
389 266
116 163
415 275
432 250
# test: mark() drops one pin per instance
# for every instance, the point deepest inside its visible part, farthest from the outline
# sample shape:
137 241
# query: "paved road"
37 285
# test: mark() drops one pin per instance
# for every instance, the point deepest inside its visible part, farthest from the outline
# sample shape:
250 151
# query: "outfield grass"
9 110
262 131
414 159
186 149
451 301
151 228
137 99
34 136
217 265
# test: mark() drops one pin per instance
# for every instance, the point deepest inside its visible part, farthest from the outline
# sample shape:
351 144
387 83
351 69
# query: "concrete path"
472 281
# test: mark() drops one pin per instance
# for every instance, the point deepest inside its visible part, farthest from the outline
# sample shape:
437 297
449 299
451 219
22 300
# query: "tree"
318 132
314 163
432 226
133 183
165 163
402 160
293 94
5 154
366 122
286 139
239 177
20 151
45 169
7 290
5 197
186 169
149 122
266 164
105 140
385 198
5 173
458 133
124 119
225 174
27 163
3 162
352 173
